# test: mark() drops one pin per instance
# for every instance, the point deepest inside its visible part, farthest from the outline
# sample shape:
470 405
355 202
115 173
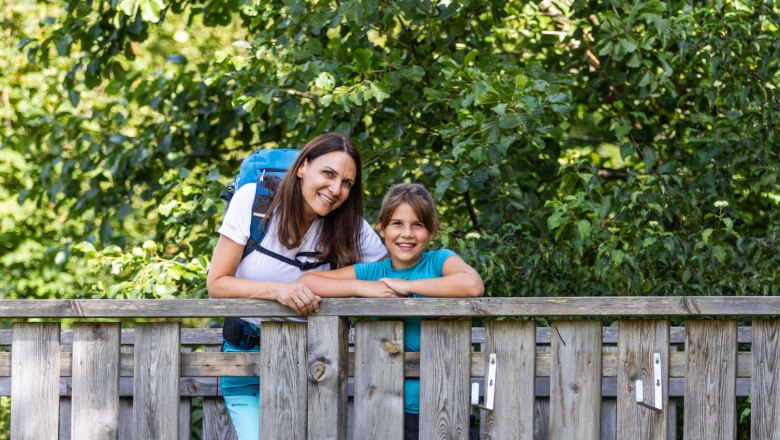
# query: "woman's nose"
335 187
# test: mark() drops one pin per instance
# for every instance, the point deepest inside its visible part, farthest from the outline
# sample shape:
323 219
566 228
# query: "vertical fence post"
216 421
156 382
445 364
575 380
637 342
95 402
514 344
327 376
35 381
711 380
379 380
283 389
764 409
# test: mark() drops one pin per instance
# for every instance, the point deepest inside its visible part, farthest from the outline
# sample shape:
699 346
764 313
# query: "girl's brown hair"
339 239
416 196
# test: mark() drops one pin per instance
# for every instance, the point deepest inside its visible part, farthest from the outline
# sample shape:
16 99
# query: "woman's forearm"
232 287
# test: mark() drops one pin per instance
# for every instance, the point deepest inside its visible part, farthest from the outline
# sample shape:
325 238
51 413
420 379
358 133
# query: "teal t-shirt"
430 266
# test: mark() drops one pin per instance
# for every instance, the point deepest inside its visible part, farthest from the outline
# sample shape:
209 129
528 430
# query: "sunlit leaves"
576 151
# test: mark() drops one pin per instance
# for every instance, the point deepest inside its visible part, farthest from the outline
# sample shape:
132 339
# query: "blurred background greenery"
574 148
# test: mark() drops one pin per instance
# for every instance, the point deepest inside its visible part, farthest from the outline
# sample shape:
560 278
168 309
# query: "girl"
407 223
317 210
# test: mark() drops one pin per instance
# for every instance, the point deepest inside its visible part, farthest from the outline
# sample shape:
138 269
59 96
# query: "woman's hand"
299 298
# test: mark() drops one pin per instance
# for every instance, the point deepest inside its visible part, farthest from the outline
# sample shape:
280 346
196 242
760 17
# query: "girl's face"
325 183
406 237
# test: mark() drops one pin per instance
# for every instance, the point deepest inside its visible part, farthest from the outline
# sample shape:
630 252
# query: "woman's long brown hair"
339 240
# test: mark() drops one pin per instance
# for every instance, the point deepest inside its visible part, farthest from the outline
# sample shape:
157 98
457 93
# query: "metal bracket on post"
490 385
658 402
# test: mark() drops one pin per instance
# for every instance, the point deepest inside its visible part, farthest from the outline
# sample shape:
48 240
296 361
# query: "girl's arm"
343 283
458 280
221 282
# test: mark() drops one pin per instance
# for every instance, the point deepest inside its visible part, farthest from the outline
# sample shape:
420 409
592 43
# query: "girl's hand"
378 289
299 298
398 285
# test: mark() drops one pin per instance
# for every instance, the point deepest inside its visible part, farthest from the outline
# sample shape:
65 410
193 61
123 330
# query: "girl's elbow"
477 288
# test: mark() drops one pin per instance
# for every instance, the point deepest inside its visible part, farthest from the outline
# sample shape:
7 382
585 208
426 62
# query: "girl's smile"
406 237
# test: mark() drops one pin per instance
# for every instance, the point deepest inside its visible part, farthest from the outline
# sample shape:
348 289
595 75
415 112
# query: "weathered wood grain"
575 381
609 419
204 365
327 378
514 344
379 380
185 418
213 336
95 404
156 381
125 418
710 389
35 380
444 382
65 418
764 408
541 419
216 420
434 307
283 388
637 343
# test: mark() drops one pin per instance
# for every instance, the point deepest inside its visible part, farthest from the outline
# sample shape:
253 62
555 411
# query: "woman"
317 210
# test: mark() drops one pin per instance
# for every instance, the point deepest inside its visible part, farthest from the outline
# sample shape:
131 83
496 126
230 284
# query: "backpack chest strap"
302 265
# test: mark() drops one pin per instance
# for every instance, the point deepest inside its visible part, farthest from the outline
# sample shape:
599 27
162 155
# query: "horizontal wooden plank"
208 386
213 336
213 364
734 306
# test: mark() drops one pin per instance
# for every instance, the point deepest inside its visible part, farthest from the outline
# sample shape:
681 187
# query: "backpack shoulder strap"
264 193
257 227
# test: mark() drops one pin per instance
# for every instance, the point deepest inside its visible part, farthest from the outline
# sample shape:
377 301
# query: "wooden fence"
573 379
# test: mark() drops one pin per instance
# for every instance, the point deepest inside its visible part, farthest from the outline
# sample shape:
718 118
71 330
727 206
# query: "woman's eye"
347 184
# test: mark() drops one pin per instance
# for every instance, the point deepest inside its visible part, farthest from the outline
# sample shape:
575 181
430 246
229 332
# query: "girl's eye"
328 173
347 184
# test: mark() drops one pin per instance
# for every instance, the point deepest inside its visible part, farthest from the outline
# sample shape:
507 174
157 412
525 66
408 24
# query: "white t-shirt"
260 267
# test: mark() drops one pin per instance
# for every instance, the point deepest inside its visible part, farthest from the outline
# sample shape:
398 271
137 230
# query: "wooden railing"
574 379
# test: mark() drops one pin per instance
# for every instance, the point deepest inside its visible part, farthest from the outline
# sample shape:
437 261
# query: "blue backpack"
266 167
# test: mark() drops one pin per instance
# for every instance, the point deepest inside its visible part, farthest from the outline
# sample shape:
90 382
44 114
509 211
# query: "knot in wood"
390 347
318 369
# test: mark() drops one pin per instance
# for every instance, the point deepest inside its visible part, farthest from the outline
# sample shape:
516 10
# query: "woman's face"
326 182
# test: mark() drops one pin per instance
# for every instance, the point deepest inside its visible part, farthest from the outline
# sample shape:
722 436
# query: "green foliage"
596 148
